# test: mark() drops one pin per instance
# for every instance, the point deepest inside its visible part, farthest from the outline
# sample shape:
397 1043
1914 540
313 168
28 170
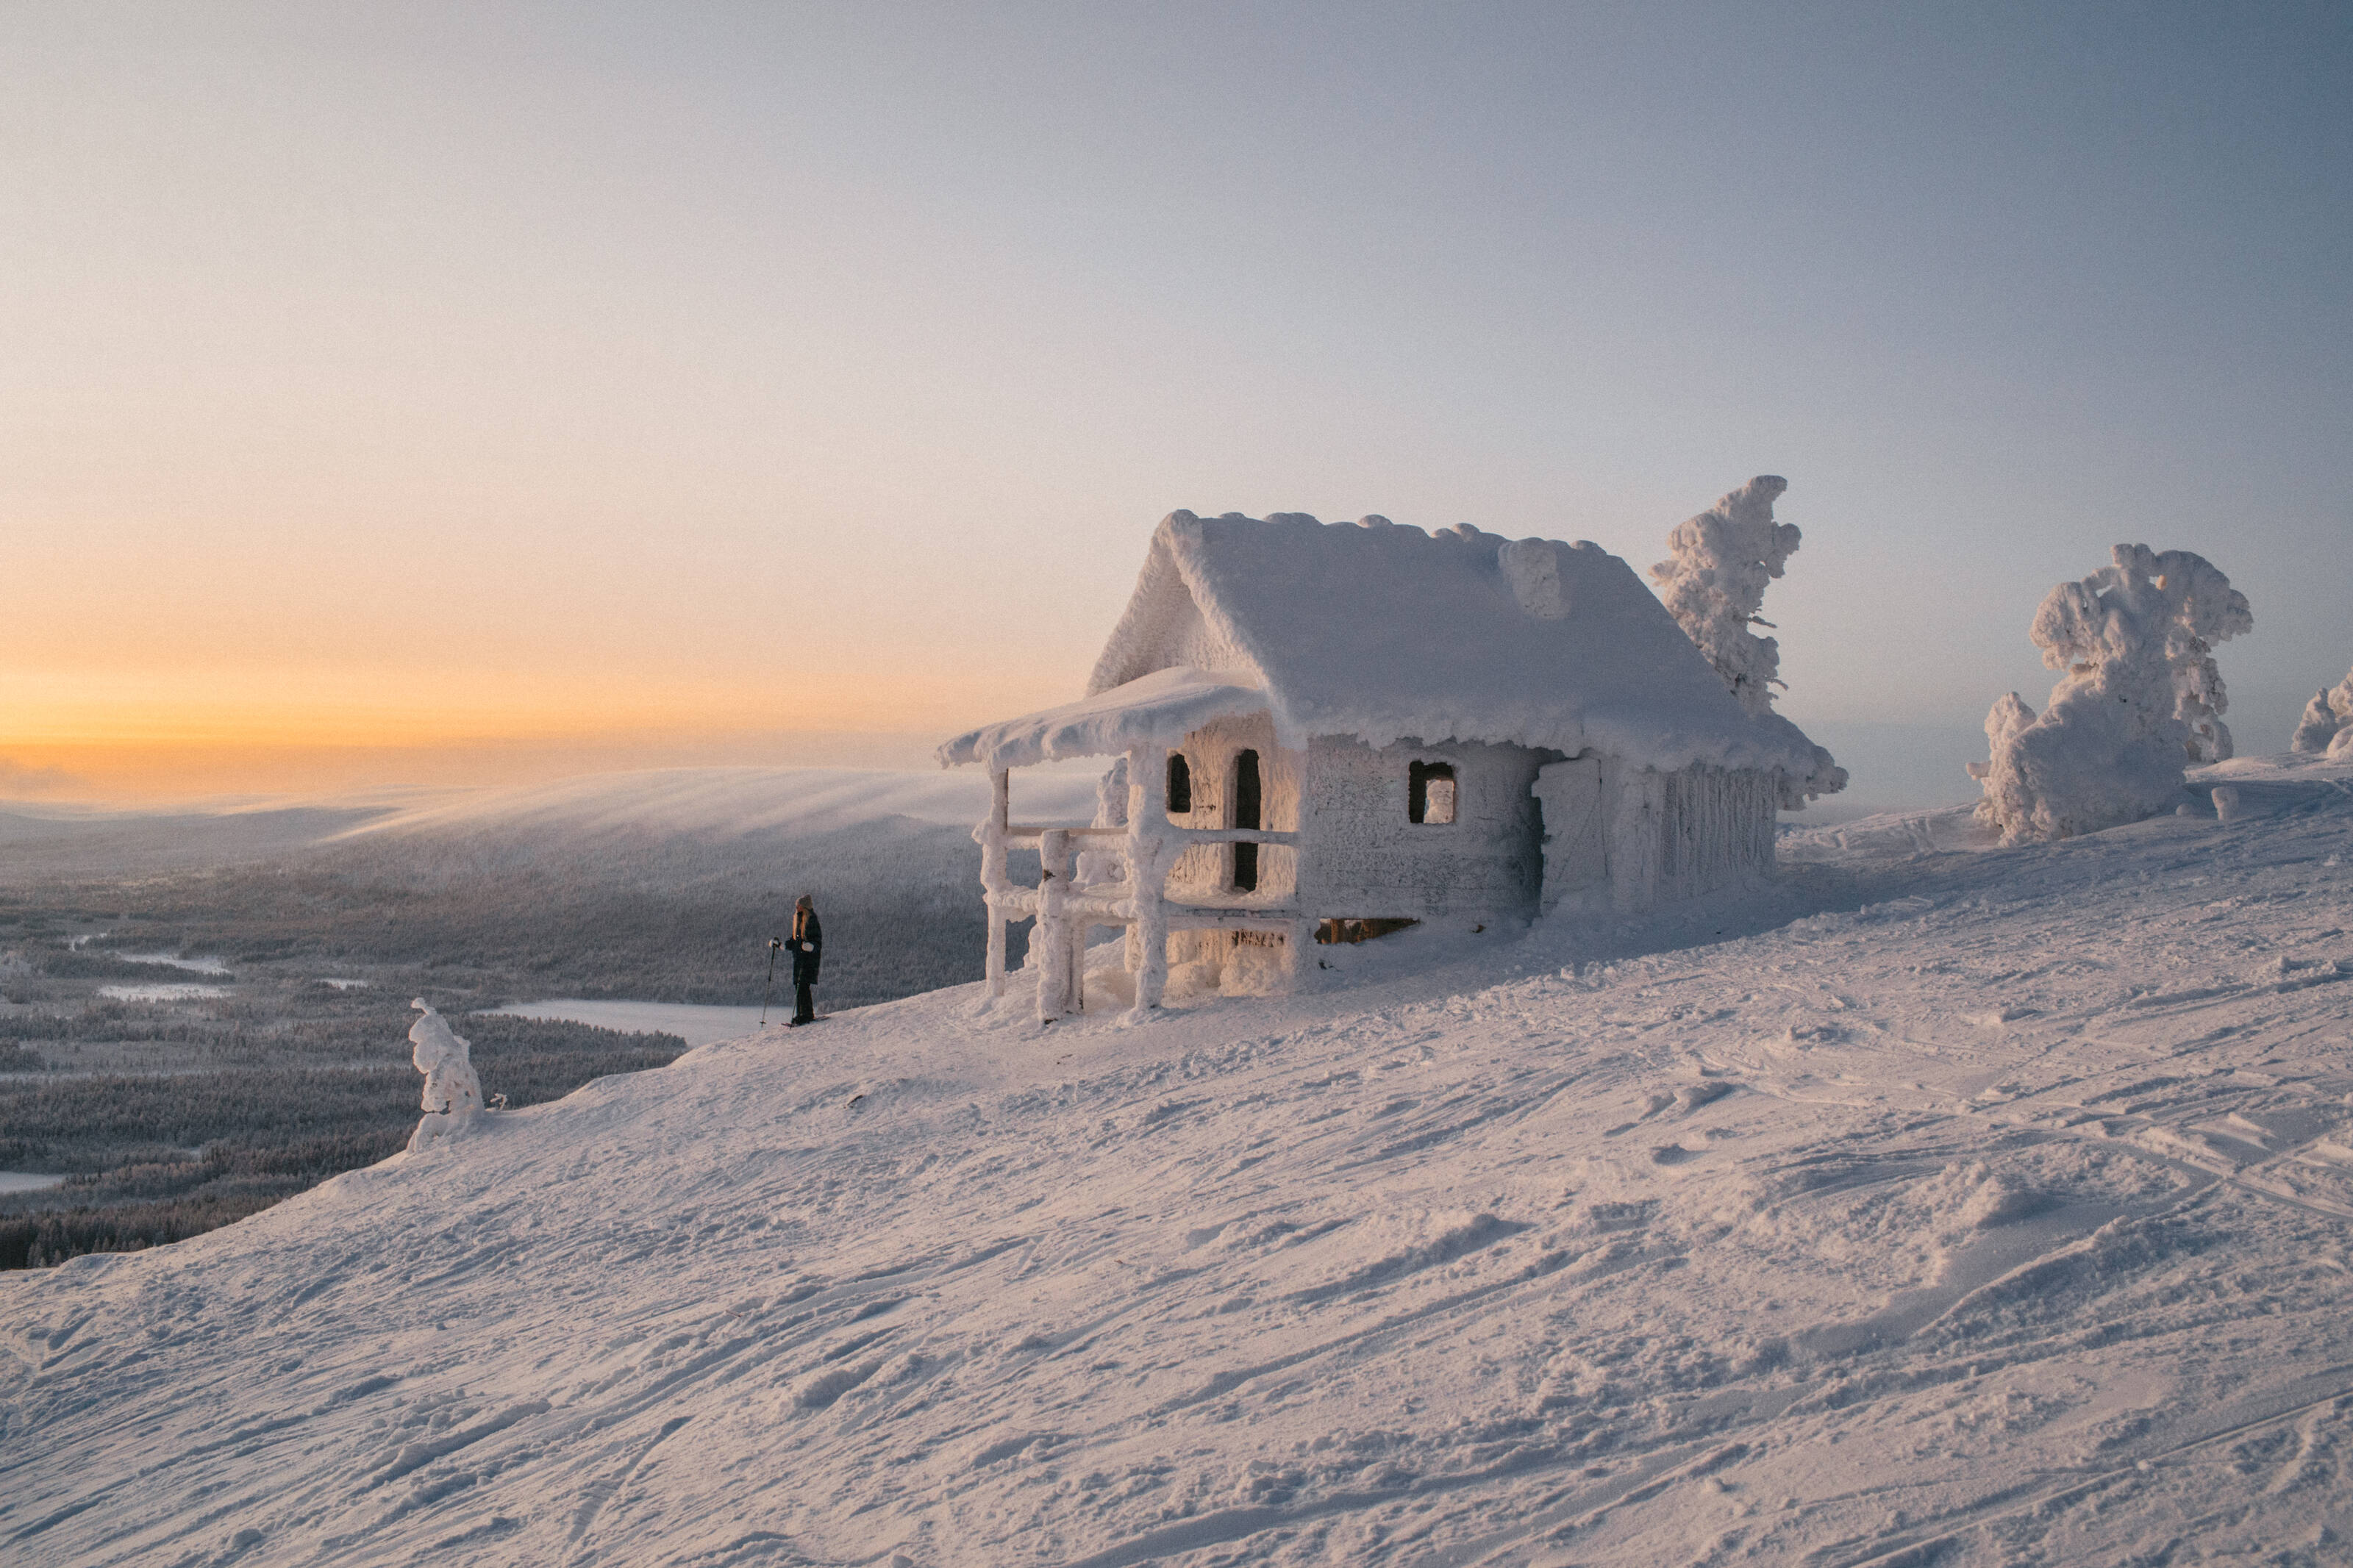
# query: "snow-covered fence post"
1050 942
993 882
452 1092
1148 931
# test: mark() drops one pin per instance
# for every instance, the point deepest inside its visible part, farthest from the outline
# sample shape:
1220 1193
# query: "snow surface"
1387 633
163 992
1941 1203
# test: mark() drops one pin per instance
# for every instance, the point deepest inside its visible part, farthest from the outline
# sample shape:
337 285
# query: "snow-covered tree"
452 1092
1714 583
2205 610
2327 721
2139 697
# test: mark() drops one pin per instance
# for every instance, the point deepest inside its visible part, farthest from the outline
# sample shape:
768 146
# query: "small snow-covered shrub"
2138 699
2328 721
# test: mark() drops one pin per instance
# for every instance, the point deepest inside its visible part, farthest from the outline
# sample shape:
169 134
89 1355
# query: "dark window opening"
1429 793
1246 812
1337 929
1180 784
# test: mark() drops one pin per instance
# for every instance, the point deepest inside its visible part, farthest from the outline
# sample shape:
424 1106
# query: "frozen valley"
1937 1203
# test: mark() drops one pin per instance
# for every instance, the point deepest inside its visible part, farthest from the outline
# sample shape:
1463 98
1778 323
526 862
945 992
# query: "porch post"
1147 874
992 873
1050 940
1299 954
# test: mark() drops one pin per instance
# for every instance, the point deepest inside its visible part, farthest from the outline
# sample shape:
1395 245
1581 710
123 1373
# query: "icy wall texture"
1365 857
2140 698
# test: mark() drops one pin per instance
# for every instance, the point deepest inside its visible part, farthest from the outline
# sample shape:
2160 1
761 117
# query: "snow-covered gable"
1387 633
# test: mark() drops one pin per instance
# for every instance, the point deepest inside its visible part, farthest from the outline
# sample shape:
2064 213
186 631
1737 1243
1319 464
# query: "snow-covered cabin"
1363 721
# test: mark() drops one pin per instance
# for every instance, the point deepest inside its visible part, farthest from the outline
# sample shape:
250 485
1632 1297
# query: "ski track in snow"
1985 1207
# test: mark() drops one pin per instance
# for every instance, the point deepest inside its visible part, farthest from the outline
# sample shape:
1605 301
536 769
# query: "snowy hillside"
1941 1204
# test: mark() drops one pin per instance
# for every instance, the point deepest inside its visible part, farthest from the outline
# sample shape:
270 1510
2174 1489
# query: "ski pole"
774 942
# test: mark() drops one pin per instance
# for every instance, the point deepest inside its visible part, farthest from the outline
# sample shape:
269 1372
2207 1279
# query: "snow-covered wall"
1365 857
1716 829
1204 872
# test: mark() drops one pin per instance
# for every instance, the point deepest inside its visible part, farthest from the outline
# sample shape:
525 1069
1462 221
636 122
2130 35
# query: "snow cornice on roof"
1162 707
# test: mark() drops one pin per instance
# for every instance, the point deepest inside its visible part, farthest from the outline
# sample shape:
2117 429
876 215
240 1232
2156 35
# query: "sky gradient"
407 392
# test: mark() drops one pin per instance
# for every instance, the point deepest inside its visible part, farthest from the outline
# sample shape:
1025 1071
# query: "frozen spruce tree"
2139 697
1714 584
2205 610
452 1092
2328 722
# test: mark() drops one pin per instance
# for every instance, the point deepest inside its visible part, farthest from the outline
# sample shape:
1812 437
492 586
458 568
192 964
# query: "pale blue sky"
828 366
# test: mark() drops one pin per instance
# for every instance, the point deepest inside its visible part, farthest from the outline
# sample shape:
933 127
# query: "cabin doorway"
1245 798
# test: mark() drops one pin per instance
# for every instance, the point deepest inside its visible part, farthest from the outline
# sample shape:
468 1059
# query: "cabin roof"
1387 633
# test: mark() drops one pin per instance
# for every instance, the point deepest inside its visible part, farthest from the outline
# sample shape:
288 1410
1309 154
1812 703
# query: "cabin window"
1429 793
1246 815
1180 784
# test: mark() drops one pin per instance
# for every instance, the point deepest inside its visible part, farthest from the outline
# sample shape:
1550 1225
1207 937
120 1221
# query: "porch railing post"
993 882
1147 874
1050 942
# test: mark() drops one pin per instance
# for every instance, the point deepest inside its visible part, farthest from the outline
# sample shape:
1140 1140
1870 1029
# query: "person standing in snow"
808 948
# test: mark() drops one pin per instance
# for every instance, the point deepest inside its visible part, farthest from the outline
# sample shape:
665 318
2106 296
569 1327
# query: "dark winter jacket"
808 946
